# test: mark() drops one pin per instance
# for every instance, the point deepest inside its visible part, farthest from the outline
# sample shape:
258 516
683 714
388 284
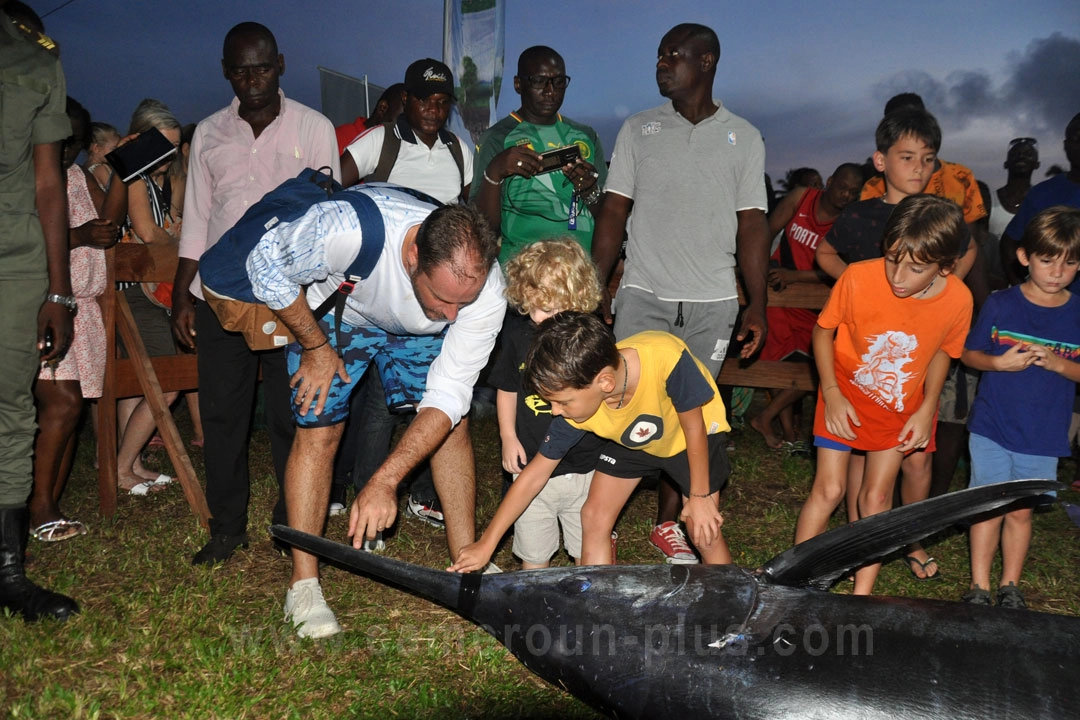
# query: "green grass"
160 638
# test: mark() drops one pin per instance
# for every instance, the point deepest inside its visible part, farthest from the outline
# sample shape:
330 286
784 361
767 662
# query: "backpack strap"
450 140
373 232
391 144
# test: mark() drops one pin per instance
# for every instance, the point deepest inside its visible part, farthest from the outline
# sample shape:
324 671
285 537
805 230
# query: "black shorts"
622 462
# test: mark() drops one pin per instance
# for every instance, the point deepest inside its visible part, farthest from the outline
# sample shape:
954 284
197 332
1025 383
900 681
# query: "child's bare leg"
716 554
829 485
983 537
1015 539
917 472
854 484
879 481
607 495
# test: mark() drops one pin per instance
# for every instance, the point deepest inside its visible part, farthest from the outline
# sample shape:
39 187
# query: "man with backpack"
424 313
238 154
416 149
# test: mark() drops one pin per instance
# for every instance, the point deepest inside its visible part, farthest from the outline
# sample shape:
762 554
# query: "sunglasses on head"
1023 141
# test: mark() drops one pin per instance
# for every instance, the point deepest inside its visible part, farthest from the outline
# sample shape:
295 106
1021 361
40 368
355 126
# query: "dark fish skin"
658 641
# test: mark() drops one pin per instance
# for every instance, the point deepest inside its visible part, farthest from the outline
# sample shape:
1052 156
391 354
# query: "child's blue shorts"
992 464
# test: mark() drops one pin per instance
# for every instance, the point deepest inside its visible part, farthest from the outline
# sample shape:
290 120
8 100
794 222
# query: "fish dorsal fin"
820 561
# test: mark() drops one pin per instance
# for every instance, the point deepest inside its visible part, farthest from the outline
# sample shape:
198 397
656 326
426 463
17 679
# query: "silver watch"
67 301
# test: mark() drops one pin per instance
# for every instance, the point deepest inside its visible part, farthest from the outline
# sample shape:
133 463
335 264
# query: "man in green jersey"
524 203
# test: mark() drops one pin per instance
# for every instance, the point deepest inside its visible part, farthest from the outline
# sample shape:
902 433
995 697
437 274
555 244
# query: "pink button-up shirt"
231 169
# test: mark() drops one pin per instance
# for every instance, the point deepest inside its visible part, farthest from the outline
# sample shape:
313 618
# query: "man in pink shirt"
238 154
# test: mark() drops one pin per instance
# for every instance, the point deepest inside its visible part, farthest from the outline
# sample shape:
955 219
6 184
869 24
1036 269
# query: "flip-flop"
143 488
798 447
912 560
148 486
58 530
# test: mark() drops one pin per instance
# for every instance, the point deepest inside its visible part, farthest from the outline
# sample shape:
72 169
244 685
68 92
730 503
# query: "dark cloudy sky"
812 76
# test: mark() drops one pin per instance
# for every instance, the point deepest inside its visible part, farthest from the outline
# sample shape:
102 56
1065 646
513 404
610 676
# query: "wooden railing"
777 373
139 374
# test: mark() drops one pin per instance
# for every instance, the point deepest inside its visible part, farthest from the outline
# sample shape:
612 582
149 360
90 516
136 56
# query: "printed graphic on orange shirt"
881 375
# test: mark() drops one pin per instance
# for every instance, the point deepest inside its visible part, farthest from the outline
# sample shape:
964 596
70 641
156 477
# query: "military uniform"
32 112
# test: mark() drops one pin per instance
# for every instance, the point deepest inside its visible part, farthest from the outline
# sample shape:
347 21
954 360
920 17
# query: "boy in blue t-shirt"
1027 343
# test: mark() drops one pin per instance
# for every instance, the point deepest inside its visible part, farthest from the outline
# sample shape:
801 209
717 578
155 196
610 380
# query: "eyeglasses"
539 82
1023 141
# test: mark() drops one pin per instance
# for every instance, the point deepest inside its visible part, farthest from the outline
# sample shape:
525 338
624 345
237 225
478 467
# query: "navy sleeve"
686 386
560 438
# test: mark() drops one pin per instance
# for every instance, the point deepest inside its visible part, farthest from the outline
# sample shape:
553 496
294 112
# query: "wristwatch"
67 301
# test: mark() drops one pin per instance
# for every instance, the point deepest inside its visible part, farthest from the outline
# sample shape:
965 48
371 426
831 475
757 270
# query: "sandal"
58 530
149 486
799 448
912 561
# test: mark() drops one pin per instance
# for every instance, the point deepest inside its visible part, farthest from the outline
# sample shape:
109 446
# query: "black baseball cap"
427 77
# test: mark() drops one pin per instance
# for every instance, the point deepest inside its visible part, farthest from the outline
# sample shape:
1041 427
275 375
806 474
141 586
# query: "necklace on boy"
626 376
927 288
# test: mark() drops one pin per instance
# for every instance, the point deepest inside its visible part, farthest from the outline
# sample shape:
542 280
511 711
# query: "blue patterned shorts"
402 361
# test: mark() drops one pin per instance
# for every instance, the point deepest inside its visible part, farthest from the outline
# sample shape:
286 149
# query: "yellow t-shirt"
672 380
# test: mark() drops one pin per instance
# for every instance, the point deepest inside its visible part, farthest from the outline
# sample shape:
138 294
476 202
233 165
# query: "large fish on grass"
677 641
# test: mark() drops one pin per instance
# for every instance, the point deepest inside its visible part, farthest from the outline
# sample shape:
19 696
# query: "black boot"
16 592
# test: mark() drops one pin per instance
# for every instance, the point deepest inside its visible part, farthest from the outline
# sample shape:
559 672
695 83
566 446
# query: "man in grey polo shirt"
693 173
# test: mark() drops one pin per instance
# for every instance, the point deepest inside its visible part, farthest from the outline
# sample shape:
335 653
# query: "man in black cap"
416 150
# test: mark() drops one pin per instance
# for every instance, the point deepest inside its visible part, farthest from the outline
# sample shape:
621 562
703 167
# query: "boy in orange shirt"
882 347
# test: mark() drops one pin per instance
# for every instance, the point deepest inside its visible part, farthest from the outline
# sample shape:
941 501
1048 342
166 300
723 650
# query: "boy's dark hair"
568 352
927 228
904 101
1053 232
909 121
453 234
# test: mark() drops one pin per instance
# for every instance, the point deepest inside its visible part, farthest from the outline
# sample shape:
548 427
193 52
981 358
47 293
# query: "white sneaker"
310 615
336 509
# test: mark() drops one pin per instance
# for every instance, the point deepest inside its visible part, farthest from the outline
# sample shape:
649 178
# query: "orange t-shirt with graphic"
883 347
